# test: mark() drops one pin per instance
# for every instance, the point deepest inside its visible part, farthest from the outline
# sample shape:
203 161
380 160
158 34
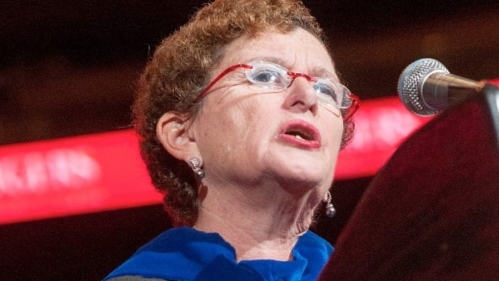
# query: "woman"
242 116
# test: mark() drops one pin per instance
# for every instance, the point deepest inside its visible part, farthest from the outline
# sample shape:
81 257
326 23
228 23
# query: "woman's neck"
260 223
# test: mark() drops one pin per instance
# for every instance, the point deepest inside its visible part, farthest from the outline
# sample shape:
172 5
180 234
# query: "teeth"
300 135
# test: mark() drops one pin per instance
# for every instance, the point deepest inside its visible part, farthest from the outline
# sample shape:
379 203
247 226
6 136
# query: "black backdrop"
51 52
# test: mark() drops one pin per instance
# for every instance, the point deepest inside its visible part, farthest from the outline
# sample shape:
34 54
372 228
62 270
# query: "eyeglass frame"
350 110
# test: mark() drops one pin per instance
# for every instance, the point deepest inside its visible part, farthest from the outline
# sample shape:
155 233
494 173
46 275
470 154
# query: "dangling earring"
195 164
330 210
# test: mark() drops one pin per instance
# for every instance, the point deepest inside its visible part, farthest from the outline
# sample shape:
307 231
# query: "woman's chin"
303 168
304 177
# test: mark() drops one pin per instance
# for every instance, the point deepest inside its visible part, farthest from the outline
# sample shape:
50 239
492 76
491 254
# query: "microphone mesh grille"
410 83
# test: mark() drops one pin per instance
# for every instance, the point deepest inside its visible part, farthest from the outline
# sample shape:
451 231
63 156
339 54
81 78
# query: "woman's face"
248 136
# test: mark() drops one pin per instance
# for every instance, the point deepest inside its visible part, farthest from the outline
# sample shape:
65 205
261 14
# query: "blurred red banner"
104 171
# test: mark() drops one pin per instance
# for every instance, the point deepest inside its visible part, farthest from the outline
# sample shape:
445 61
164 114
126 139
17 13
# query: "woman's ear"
172 131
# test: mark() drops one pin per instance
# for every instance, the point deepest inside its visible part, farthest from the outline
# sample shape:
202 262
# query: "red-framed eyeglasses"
274 78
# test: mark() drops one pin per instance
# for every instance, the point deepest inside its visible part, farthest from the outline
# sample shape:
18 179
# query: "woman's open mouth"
300 133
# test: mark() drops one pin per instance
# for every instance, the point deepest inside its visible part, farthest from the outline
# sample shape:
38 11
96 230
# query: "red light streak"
104 171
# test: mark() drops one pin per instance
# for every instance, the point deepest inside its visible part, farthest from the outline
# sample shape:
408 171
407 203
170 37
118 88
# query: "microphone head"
411 81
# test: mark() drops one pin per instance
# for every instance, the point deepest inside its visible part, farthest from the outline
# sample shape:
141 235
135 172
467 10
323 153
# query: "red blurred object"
432 212
72 176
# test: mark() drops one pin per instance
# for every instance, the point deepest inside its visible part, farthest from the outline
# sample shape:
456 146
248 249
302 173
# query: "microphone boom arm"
444 89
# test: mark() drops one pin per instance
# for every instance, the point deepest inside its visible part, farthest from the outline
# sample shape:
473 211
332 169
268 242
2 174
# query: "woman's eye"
266 76
326 92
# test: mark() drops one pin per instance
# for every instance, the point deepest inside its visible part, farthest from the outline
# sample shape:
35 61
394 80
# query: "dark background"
68 68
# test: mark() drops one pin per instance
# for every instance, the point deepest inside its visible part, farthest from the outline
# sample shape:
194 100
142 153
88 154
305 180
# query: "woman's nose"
301 96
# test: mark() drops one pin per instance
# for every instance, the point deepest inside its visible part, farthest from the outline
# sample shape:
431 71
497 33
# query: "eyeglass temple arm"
204 92
353 108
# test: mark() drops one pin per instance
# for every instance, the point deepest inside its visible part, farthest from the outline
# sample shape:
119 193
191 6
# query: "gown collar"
187 254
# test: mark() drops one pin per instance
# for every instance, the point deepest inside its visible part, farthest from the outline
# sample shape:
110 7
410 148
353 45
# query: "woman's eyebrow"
317 71
323 73
272 59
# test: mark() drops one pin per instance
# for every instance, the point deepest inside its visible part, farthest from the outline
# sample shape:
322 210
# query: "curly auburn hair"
181 67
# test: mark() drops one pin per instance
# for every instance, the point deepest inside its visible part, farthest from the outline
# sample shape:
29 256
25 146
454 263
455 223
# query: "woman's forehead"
297 48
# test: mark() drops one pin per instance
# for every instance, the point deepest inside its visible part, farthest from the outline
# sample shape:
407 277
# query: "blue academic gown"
188 254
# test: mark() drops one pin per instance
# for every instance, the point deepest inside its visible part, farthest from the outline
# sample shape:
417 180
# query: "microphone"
426 87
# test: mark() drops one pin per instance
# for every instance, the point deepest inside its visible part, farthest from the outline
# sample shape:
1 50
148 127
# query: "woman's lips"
301 134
